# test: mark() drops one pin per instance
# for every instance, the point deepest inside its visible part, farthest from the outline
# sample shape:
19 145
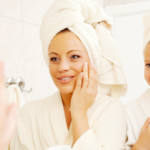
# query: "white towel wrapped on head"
87 20
146 24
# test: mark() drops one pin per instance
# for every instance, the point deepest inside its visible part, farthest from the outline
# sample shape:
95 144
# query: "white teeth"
65 78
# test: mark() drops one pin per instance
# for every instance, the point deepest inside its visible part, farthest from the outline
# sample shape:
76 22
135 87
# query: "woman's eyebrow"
73 50
147 60
53 53
67 53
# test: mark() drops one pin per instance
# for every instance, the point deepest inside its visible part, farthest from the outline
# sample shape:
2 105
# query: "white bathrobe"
138 111
41 124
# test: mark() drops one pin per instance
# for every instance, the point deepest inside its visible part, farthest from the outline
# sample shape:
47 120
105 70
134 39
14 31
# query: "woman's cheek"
52 70
78 67
147 76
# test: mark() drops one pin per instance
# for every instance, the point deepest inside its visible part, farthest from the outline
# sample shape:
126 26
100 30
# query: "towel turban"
88 21
146 24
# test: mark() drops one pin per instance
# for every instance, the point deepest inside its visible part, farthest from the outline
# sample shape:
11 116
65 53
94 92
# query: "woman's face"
147 63
67 56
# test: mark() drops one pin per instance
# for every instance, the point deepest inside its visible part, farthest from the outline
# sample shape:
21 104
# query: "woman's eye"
54 59
148 65
75 56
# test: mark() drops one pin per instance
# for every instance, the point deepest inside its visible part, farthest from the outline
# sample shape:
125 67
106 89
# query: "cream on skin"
75 77
143 143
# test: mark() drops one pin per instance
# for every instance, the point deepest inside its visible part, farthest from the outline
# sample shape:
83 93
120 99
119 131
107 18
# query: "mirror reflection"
74 75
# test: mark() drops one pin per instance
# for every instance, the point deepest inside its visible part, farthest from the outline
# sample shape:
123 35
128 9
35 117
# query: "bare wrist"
136 146
78 114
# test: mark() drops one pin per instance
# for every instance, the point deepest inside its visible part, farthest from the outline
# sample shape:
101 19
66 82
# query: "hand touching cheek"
85 90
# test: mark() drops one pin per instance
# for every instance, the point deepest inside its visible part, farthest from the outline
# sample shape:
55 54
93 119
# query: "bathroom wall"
120 2
128 33
100 2
20 44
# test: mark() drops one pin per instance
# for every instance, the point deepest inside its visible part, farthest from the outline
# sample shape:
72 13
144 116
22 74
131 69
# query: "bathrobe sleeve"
135 121
108 134
22 139
131 136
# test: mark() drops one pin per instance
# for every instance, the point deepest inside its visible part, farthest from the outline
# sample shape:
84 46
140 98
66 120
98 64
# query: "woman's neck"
66 99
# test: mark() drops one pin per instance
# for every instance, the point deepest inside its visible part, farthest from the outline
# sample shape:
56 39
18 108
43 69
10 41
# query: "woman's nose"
63 66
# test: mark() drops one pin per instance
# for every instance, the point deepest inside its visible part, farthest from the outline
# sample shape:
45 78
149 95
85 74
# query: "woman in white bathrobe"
138 129
84 64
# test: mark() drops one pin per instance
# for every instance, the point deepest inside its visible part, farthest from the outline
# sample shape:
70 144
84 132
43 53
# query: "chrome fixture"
19 81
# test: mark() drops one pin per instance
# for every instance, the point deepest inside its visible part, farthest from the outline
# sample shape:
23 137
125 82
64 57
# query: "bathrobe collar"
144 102
62 133
59 121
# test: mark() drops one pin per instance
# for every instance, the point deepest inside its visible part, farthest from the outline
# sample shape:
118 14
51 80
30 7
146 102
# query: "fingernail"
92 64
85 65
3 68
81 74
95 67
6 68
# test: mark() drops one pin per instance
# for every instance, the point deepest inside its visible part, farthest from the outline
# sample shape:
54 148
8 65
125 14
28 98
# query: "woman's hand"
7 114
82 98
143 142
85 91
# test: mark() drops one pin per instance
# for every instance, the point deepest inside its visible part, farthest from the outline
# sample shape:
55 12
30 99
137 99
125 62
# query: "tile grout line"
23 46
19 20
49 78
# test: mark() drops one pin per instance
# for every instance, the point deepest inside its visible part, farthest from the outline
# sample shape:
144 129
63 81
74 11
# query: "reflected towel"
146 24
14 95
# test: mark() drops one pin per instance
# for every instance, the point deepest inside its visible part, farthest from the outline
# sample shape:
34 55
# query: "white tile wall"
33 11
11 49
36 73
11 8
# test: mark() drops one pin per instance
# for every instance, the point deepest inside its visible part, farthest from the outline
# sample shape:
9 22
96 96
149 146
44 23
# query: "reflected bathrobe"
137 113
42 124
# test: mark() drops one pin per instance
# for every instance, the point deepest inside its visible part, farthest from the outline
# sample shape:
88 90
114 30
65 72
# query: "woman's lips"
64 80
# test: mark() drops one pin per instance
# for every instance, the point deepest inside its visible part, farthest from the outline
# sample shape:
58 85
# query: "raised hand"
86 89
7 114
143 143
83 97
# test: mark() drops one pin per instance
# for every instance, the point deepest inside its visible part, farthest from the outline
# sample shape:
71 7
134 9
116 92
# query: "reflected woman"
138 122
83 61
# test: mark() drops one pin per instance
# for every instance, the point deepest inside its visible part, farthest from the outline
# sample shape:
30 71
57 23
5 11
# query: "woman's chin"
66 90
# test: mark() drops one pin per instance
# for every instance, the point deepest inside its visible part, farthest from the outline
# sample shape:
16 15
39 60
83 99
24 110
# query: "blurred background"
20 45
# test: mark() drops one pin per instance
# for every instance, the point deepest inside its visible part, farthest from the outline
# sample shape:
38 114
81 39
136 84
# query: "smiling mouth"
64 79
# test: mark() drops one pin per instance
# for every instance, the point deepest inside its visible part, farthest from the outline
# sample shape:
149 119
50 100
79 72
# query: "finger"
91 77
79 81
85 76
146 124
3 104
9 124
2 87
95 80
